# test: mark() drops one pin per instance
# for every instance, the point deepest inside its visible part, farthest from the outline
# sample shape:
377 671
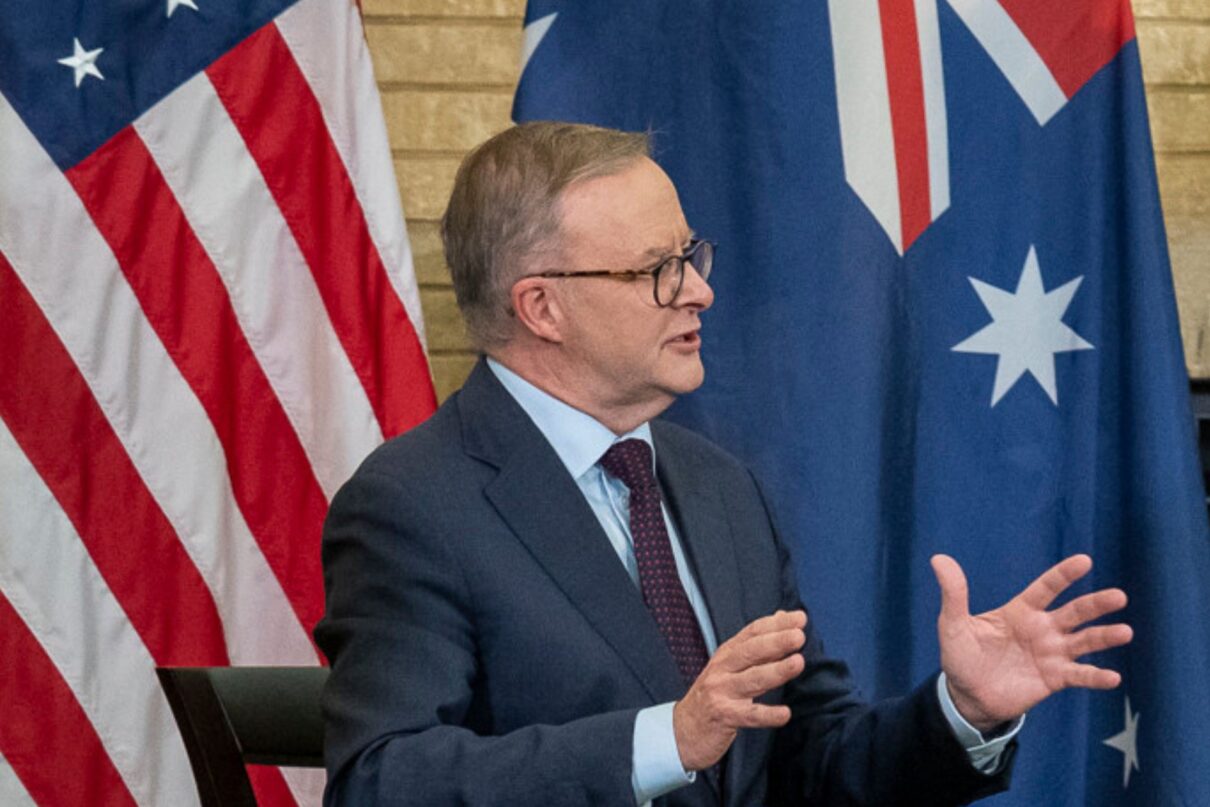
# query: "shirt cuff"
657 762
984 752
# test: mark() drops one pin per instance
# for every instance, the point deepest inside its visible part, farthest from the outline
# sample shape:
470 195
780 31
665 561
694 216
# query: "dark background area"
1201 413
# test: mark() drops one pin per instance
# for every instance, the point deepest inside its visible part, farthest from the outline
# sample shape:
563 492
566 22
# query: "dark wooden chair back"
233 716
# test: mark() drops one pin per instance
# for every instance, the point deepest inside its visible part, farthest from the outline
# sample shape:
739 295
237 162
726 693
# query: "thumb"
951 579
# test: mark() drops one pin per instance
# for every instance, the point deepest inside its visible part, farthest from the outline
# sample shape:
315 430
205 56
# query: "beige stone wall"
447 69
1174 39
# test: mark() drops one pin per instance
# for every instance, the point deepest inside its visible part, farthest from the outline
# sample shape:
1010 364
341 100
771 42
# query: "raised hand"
1001 663
762 656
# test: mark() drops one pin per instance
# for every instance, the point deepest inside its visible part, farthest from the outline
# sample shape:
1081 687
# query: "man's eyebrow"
660 252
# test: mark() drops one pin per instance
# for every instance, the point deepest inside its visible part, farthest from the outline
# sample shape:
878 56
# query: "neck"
544 370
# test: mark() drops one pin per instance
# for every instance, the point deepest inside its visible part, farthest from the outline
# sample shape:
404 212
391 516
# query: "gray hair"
503 210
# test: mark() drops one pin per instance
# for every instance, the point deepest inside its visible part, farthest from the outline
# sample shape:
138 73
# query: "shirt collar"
578 438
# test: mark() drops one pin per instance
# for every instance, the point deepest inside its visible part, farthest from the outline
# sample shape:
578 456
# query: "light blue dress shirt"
580 441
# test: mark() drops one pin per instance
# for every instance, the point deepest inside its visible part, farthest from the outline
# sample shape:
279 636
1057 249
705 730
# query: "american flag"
207 318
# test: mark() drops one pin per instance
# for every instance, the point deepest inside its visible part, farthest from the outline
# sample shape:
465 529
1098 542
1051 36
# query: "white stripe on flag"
929 34
306 784
168 436
1014 55
49 577
864 103
331 52
12 792
229 207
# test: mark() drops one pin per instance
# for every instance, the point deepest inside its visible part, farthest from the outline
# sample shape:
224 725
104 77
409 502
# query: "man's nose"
695 292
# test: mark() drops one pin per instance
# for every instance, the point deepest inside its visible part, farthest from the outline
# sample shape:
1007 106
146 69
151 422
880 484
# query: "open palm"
1001 663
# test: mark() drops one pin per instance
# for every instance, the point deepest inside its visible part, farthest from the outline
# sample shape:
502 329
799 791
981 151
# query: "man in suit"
544 596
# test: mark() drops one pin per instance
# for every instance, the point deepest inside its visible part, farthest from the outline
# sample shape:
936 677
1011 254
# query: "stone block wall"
447 69
1174 40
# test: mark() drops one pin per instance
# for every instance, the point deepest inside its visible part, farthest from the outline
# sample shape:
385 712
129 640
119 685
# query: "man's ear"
538 308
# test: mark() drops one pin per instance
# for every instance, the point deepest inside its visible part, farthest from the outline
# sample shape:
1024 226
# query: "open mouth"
690 339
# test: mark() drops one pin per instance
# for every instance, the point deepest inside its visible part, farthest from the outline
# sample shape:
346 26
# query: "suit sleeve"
401 705
839 750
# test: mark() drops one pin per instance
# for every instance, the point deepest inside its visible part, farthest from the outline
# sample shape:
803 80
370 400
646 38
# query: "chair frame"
230 717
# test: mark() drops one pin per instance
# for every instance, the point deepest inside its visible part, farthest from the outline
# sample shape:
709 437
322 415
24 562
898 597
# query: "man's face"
624 349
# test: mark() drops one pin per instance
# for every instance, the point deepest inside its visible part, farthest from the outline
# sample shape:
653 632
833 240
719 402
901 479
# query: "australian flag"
944 322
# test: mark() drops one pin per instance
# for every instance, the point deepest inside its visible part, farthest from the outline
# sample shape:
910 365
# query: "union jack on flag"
890 87
209 318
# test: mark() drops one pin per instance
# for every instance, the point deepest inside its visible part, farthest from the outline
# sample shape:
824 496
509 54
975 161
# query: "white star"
172 5
84 62
1026 330
1124 741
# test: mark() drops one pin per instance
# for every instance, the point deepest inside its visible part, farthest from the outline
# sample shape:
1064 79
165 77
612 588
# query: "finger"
1091 677
743 652
1055 580
1096 639
779 620
759 715
1089 607
952 580
756 681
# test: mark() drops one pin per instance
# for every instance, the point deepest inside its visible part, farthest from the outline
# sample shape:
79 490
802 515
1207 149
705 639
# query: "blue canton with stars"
145 54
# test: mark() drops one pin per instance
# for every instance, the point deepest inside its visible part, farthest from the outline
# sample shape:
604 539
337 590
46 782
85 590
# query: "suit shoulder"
417 452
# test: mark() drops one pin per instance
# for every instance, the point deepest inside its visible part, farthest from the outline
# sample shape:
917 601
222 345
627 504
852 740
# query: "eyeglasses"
668 275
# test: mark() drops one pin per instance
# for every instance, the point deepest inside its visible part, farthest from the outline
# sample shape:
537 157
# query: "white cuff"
657 761
984 753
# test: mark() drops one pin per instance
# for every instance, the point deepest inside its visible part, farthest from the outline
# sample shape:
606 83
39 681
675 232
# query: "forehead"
623 215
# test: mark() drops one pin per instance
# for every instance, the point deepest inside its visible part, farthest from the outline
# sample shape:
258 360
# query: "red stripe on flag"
45 735
269 786
905 85
59 425
186 303
1074 39
279 118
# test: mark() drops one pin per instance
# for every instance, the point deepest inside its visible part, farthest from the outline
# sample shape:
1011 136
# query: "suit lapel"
545 509
699 511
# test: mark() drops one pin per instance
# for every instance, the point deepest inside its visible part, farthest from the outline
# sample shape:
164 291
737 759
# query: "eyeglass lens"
671 276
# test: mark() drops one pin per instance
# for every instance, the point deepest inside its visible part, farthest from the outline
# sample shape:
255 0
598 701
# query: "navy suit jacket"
488 648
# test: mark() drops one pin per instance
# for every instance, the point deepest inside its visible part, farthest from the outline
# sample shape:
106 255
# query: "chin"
687 380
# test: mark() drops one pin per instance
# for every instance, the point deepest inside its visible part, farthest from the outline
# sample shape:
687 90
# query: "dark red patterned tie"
630 462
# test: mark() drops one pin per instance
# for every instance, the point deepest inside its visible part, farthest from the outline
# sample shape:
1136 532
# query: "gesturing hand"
762 656
1001 663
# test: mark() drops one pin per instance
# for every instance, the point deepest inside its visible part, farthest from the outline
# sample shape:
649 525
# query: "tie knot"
630 462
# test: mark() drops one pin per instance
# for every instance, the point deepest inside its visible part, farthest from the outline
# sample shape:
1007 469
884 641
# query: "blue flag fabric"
944 322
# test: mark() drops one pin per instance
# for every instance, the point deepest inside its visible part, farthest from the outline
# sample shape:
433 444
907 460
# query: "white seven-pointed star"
1124 741
1026 330
172 5
84 62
